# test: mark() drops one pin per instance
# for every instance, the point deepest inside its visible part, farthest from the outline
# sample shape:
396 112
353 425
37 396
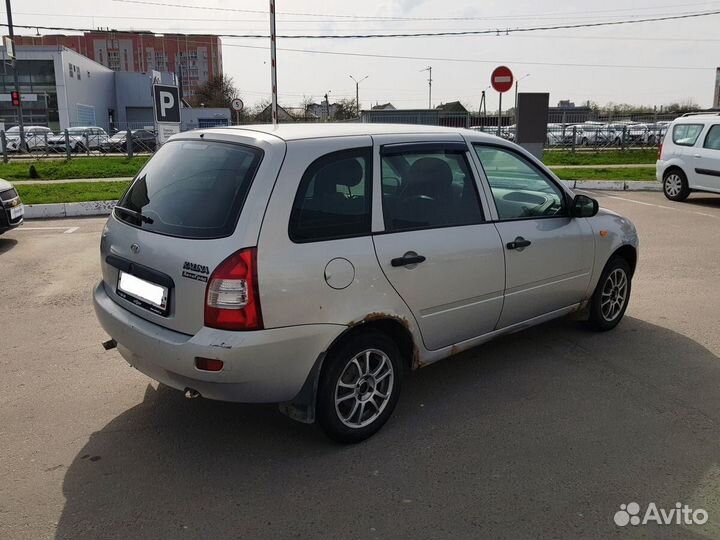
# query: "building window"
71 70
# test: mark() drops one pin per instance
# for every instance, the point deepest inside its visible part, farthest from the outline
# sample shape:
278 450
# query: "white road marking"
66 230
652 204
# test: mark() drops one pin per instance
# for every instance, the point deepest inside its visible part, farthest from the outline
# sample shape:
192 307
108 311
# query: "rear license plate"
17 211
145 294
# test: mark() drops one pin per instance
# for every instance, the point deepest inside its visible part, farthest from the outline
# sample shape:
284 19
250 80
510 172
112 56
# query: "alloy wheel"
614 294
364 388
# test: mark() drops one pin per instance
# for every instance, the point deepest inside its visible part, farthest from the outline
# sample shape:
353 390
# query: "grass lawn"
610 157
644 173
75 192
60 169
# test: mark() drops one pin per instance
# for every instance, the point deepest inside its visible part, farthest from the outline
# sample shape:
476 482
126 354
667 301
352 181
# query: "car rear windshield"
191 189
686 134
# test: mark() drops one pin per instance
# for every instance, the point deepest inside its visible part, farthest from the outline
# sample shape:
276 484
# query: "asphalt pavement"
542 434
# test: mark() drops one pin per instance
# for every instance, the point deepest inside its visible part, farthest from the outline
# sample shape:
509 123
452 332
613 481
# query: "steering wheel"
544 207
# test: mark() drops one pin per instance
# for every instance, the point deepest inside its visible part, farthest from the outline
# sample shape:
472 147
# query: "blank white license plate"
17 211
155 296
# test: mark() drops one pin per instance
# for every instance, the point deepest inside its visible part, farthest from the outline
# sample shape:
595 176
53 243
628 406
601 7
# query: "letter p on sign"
167 104
167 101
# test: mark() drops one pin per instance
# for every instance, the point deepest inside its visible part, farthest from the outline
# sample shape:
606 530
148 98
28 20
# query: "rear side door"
437 249
706 160
548 255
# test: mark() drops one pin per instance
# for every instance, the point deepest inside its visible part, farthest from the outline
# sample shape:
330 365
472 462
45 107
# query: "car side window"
428 189
519 189
712 140
686 134
334 198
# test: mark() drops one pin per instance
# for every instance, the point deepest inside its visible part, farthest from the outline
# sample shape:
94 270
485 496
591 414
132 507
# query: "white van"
689 158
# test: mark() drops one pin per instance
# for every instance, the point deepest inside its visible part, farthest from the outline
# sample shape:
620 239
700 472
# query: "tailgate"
184 214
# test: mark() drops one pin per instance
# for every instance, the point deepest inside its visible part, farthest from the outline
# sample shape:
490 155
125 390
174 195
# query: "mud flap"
302 407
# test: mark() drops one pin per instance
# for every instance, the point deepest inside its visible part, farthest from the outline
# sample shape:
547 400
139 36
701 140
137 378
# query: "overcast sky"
638 63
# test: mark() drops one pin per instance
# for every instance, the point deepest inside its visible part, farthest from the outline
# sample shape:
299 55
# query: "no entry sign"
502 79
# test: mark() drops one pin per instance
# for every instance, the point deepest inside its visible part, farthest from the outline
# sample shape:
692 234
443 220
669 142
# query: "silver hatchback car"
314 265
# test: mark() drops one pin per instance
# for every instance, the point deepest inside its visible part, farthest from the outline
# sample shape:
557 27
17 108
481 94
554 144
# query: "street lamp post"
516 92
357 92
429 70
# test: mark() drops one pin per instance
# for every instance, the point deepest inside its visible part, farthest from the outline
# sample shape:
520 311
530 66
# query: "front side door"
706 160
437 250
548 255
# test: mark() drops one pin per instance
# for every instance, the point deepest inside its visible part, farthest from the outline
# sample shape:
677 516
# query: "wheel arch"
674 167
303 406
627 252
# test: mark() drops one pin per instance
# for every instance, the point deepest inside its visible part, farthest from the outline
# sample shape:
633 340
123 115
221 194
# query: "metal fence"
138 138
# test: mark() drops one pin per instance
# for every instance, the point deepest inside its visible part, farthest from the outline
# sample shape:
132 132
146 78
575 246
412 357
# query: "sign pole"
8 10
499 132
502 81
273 64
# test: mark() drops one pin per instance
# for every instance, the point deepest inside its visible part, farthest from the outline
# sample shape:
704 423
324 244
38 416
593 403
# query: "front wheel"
675 185
359 387
611 296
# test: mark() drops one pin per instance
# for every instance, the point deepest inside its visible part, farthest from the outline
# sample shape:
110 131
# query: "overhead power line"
400 18
419 34
469 60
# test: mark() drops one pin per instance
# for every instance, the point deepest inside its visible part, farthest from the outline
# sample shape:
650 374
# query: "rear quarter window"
686 134
192 189
334 198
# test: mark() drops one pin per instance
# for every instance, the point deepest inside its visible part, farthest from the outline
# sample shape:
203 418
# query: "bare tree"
216 92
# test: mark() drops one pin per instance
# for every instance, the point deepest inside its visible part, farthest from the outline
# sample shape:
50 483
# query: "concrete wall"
134 91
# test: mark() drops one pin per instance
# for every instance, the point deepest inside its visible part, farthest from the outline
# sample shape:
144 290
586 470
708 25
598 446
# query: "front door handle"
518 243
407 259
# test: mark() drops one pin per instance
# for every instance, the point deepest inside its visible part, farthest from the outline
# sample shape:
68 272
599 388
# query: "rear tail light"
660 152
232 301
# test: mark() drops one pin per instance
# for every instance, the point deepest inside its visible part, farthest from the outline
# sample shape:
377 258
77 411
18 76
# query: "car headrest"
429 176
346 172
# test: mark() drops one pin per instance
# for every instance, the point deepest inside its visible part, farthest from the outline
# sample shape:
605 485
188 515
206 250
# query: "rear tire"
359 387
675 185
612 295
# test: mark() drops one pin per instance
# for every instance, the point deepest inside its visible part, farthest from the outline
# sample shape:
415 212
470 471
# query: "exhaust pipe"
191 393
109 344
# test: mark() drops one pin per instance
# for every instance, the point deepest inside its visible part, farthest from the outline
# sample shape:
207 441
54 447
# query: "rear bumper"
660 167
265 366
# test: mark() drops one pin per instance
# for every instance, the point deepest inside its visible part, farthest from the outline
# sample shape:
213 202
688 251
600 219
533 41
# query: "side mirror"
584 206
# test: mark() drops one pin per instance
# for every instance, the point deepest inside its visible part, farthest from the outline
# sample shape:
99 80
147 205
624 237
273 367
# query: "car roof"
695 118
299 131
25 128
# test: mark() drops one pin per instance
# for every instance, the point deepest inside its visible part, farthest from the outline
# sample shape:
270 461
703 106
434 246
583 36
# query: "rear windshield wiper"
135 214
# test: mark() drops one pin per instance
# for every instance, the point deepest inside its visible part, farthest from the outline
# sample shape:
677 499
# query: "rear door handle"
407 259
518 243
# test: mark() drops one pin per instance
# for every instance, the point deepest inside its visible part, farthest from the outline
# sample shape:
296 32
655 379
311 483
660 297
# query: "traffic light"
15 96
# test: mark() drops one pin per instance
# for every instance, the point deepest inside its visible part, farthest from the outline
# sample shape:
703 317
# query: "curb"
103 208
614 185
66 210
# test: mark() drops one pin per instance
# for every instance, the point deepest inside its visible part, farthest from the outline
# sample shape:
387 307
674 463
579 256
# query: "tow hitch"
109 344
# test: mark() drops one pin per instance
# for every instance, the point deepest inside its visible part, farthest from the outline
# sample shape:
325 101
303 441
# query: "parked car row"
79 139
593 133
